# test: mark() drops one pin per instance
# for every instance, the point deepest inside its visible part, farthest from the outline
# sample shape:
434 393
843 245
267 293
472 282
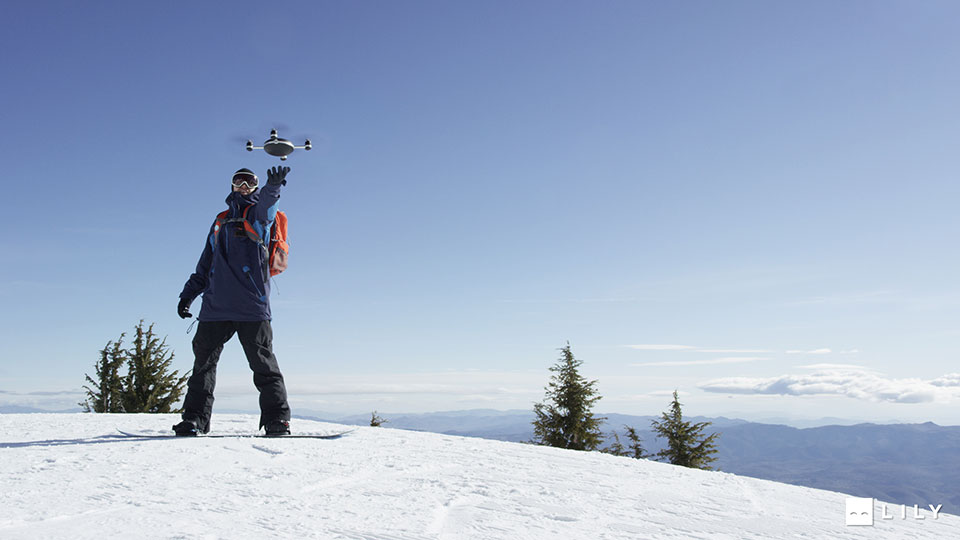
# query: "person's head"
245 182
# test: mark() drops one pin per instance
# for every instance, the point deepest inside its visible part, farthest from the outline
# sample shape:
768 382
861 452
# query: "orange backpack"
279 248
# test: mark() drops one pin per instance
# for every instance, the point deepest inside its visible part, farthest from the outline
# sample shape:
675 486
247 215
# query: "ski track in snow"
69 476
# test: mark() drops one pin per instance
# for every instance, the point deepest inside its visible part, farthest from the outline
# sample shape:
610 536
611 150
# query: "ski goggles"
247 180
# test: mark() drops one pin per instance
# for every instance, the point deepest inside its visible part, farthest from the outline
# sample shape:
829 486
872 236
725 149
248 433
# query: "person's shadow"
102 439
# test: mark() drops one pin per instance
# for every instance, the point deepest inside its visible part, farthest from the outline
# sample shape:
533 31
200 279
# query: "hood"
237 201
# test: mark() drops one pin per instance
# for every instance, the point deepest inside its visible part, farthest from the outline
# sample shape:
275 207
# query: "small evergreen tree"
106 391
376 420
616 447
686 444
148 386
635 450
565 418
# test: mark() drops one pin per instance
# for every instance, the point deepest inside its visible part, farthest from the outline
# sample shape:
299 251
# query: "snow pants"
256 337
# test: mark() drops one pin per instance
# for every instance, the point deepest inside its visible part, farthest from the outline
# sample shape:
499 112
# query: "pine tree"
635 450
565 419
686 444
616 447
105 392
148 386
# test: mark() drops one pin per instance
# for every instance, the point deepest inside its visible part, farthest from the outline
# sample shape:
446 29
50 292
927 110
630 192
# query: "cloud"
493 384
665 393
867 297
848 367
733 351
654 347
843 380
724 360
814 351
45 393
50 400
667 347
950 380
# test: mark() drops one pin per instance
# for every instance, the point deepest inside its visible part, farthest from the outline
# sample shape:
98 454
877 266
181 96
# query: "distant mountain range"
896 463
17 409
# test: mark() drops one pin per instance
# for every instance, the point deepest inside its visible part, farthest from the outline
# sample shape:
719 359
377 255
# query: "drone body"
275 146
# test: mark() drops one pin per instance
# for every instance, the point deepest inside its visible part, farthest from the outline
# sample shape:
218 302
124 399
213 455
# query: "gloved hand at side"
183 308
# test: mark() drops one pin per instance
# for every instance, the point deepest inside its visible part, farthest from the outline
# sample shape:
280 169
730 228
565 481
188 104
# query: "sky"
752 203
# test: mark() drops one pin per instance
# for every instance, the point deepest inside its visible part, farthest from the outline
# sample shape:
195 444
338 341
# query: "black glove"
276 176
183 308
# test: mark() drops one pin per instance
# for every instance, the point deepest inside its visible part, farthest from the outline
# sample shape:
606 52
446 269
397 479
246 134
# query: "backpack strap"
217 225
251 232
222 220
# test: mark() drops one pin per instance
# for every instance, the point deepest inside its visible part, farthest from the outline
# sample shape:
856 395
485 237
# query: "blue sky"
751 202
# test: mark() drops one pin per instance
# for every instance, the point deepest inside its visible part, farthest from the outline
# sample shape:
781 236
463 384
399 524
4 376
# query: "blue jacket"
232 274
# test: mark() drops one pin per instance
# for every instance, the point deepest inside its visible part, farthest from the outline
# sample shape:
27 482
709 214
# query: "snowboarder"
233 278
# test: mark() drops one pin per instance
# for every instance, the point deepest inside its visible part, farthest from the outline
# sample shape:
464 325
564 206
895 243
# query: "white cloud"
948 380
848 367
655 347
844 380
867 297
666 393
725 360
492 384
53 400
668 347
814 351
733 351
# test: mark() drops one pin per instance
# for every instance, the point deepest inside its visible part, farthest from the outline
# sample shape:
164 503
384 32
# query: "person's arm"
265 210
197 283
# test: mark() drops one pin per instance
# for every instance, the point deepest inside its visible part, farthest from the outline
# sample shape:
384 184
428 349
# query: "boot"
186 429
277 428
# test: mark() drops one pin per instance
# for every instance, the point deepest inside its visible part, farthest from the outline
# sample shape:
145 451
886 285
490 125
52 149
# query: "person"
233 277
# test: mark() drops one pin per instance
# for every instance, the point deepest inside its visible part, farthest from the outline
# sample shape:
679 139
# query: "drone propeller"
267 127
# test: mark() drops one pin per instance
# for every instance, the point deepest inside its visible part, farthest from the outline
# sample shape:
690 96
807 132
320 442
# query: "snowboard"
336 435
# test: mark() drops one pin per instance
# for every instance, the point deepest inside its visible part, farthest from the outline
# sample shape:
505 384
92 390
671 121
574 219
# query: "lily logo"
859 511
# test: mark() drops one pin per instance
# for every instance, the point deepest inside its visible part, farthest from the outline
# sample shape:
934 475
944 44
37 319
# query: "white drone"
275 146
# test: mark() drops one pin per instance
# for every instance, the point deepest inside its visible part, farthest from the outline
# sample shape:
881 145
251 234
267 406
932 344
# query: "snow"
73 476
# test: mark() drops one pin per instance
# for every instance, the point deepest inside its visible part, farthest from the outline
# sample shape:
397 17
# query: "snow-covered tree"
565 418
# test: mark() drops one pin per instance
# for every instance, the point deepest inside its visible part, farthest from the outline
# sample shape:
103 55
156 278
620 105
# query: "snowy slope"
72 476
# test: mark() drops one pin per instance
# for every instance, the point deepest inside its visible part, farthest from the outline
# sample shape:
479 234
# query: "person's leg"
257 340
207 346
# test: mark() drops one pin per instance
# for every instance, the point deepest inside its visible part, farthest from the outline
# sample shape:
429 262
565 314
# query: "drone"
275 146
